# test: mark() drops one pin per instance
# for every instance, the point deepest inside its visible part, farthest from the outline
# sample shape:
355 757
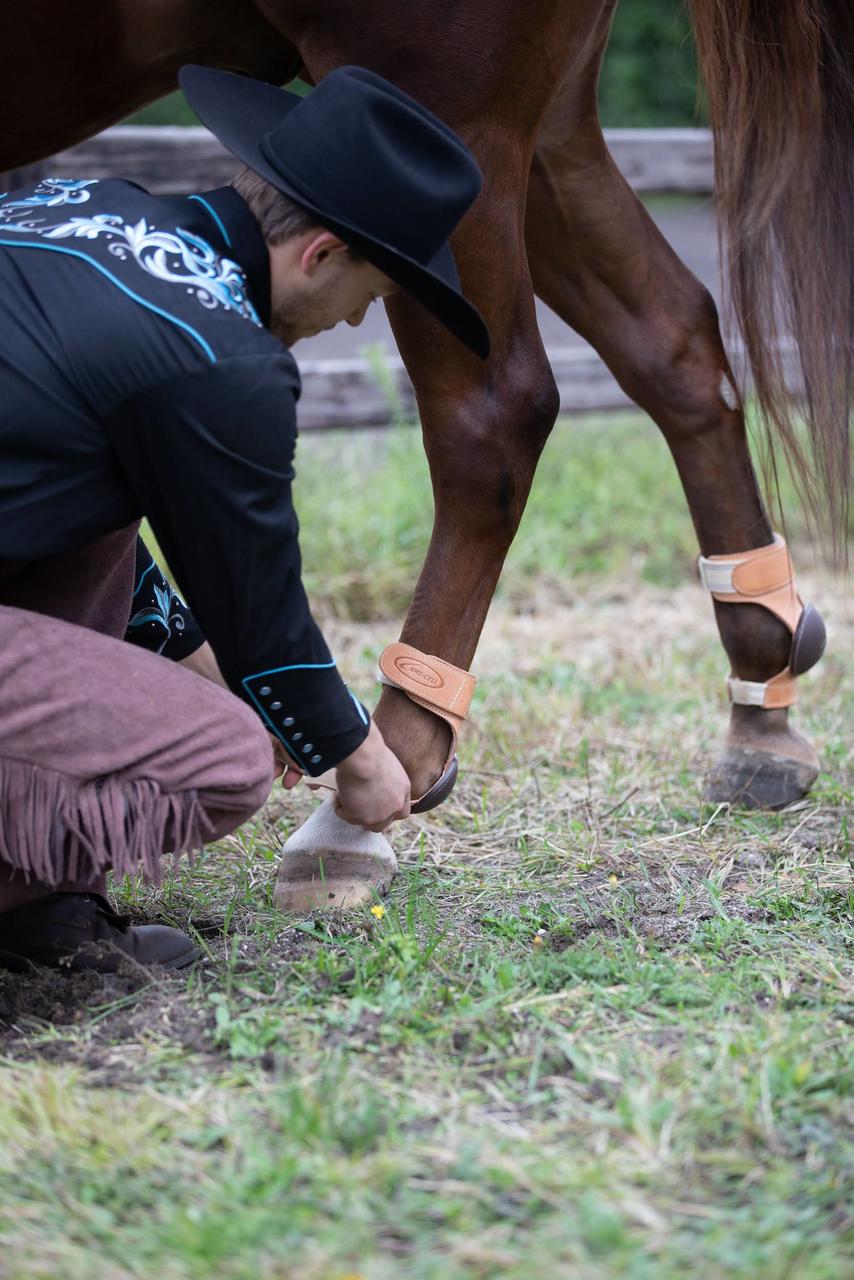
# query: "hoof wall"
758 780
330 864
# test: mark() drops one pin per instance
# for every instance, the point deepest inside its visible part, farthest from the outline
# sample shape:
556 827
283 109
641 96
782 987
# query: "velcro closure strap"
764 575
780 691
429 680
749 573
716 575
433 683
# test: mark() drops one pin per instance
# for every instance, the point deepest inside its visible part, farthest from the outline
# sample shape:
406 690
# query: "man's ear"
318 250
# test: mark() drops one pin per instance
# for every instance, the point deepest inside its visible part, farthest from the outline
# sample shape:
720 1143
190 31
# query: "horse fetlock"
420 740
757 643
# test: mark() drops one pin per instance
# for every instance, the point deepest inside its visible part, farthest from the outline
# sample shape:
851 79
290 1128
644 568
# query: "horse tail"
780 82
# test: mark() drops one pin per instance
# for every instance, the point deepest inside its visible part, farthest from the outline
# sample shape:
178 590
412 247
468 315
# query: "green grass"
602 1030
605 504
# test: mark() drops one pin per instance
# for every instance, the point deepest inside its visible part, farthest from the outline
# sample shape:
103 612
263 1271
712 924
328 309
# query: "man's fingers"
356 820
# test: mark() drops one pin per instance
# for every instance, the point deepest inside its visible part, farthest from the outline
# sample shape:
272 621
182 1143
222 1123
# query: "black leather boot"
77 931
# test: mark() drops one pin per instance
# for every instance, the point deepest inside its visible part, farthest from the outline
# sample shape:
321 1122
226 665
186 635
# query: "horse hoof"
329 863
439 791
758 779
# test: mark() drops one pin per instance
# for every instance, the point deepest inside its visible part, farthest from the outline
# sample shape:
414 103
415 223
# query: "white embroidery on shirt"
177 257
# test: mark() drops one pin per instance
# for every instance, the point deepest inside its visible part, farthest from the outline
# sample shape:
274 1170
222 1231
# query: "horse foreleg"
599 261
484 425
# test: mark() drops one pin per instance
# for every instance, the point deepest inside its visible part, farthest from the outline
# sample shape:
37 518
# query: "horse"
517 80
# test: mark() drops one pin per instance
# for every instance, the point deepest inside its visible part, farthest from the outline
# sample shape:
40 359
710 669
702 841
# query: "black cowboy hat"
377 168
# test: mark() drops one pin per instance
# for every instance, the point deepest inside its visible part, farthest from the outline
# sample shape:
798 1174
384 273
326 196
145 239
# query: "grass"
601 1030
606 506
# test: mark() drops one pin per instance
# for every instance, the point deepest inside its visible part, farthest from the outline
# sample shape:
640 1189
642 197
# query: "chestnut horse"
517 79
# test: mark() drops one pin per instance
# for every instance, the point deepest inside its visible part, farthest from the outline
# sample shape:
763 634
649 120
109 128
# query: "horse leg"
484 428
599 261
484 425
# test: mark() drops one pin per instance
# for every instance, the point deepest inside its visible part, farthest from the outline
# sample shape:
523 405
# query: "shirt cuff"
311 711
183 640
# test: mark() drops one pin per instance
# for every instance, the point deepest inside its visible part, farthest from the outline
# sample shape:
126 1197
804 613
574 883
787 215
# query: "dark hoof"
758 780
439 791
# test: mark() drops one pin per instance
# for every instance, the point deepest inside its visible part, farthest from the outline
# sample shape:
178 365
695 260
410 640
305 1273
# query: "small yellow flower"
378 912
538 941
612 879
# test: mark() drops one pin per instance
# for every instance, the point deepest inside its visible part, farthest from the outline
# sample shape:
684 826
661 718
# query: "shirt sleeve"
209 457
159 619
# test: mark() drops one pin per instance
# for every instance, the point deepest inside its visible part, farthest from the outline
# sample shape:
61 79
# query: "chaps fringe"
54 828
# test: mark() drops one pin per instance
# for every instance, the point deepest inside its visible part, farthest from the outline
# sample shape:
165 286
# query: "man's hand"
284 766
373 787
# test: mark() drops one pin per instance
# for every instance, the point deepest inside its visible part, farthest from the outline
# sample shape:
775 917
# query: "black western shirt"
137 378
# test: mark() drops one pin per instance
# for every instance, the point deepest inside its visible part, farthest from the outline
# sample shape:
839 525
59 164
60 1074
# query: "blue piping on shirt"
295 666
359 707
214 215
150 306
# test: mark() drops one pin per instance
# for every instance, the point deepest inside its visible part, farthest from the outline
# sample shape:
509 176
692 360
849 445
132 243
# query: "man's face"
315 284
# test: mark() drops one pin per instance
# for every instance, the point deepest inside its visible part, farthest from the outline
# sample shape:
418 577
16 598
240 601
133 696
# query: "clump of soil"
96 1020
48 996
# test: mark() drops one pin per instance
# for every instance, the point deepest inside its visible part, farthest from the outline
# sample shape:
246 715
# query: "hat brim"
241 111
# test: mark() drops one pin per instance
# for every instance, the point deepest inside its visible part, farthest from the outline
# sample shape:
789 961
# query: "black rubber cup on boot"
808 642
439 791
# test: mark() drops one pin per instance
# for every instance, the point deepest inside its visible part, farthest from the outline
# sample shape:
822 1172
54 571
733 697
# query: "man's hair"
278 217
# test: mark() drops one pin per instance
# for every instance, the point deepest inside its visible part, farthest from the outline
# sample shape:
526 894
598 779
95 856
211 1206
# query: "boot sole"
185 959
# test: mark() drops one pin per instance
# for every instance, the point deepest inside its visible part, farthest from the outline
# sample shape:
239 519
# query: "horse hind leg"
598 260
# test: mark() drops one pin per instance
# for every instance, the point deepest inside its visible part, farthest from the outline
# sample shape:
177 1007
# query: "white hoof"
329 863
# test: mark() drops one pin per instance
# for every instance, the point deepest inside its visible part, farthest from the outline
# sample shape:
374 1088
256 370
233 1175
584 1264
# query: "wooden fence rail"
348 393
167 158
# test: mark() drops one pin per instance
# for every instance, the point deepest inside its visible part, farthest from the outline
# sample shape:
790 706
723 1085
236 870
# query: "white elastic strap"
747 693
716 575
